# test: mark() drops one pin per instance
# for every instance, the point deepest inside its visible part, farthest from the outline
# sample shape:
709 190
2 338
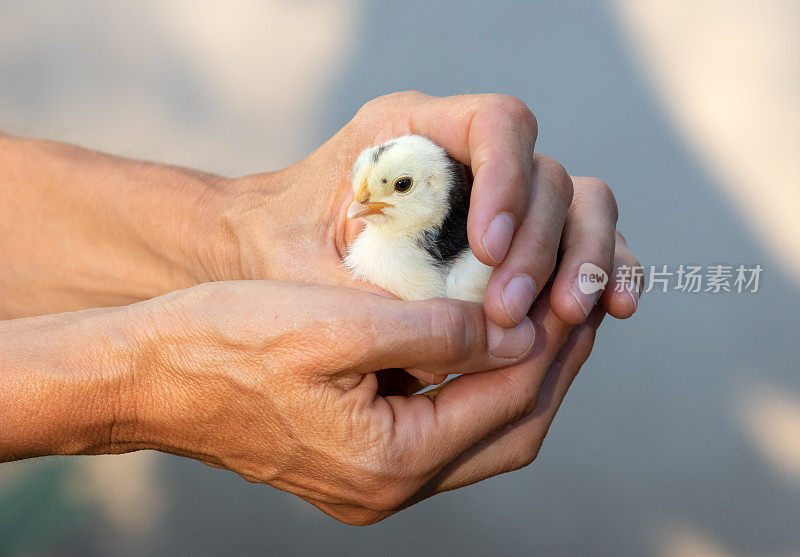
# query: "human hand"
278 383
291 225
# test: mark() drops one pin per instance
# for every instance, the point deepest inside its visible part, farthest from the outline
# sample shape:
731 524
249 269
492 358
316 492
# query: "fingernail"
497 237
513 343
633 291
585 300
517 296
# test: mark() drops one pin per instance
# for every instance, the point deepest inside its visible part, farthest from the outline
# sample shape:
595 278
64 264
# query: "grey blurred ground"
651 452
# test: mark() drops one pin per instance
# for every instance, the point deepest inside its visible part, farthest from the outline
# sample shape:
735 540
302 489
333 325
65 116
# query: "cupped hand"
525 212
281 383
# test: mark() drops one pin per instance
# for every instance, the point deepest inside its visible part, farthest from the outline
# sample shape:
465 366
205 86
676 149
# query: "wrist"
198 242
249 214
173 398
65 385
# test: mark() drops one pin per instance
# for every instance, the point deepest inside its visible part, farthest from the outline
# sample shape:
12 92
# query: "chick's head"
402 186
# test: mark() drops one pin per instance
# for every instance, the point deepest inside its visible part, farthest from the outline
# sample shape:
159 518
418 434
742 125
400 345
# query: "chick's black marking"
447 241
376 154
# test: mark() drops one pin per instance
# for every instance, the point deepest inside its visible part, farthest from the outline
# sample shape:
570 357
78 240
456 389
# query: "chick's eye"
402 185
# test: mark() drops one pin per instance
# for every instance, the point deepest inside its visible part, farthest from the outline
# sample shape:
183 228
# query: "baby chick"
413 199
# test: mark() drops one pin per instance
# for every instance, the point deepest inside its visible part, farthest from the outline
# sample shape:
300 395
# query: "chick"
413 199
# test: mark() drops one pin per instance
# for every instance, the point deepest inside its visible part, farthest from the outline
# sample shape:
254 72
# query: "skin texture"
277 382
289 372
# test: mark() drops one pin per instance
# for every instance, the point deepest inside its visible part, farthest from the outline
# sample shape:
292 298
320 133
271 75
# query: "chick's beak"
361 207
358 209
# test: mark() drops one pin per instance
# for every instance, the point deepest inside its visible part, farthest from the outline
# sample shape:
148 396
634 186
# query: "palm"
292 225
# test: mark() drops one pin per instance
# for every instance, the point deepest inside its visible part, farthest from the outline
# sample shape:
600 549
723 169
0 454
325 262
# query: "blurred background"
681 436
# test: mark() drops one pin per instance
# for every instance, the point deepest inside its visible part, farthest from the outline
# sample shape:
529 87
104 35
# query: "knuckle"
385 498
559 179
542 256
401 96
365 108
521 397
408 93
359 517
598 251
514 108
603 192
372 105
449 330
341 345
387 479
380 102
525 455
517 176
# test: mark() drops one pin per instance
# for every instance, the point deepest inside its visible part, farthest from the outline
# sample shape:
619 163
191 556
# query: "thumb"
439 336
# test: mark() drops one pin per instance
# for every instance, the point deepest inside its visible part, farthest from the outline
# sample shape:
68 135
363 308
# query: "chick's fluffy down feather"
399 248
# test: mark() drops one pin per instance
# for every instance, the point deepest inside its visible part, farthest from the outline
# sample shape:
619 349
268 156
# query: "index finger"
495 135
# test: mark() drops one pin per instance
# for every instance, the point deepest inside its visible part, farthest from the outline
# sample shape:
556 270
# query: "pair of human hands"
294 374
